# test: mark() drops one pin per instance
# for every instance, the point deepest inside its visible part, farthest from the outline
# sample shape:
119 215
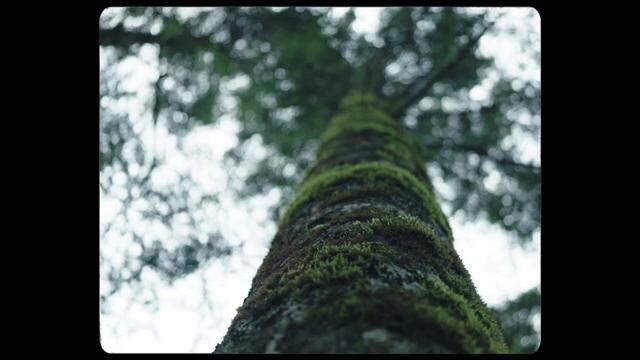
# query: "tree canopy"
282 73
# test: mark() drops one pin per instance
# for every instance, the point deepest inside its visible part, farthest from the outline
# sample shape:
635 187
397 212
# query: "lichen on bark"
363 260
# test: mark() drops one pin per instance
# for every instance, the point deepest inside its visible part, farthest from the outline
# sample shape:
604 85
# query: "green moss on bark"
383 176
358 99
359 286
347 278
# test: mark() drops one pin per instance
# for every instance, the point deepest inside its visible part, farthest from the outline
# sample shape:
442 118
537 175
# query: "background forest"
210 116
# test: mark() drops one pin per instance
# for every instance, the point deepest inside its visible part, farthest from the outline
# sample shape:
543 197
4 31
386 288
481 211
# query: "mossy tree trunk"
363 259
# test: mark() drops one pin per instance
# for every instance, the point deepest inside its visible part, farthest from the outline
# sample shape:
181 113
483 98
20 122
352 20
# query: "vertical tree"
363 259
290 69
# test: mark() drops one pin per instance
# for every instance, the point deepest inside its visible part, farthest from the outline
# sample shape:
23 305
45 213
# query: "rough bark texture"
363 260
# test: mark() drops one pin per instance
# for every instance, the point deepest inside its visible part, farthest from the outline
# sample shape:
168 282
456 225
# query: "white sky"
499 271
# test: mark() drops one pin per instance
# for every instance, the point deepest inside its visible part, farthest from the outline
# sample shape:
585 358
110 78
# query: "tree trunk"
363 260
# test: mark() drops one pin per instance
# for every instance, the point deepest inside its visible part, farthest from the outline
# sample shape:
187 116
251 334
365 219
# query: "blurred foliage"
283 72
516 317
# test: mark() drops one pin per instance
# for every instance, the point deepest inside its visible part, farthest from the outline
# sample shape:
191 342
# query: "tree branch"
433 77
533 129
483 152
120 37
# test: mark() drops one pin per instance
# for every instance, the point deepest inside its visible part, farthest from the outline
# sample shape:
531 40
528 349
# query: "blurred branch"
482 152
120 37
433 77
483 111
157 89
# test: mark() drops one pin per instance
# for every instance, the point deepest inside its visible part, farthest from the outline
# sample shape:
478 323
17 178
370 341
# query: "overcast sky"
499 270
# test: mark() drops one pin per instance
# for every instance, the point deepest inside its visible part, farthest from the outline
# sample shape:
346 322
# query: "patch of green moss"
365 118
351 129
336 279
386 177
365 114
358 151
363 135
316 229
360 119
311 271
401 223
465 312
361 122
416 244
350 225
332 263
358 99
349 264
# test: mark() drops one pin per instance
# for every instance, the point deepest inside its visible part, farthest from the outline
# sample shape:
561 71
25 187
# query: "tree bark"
363 260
